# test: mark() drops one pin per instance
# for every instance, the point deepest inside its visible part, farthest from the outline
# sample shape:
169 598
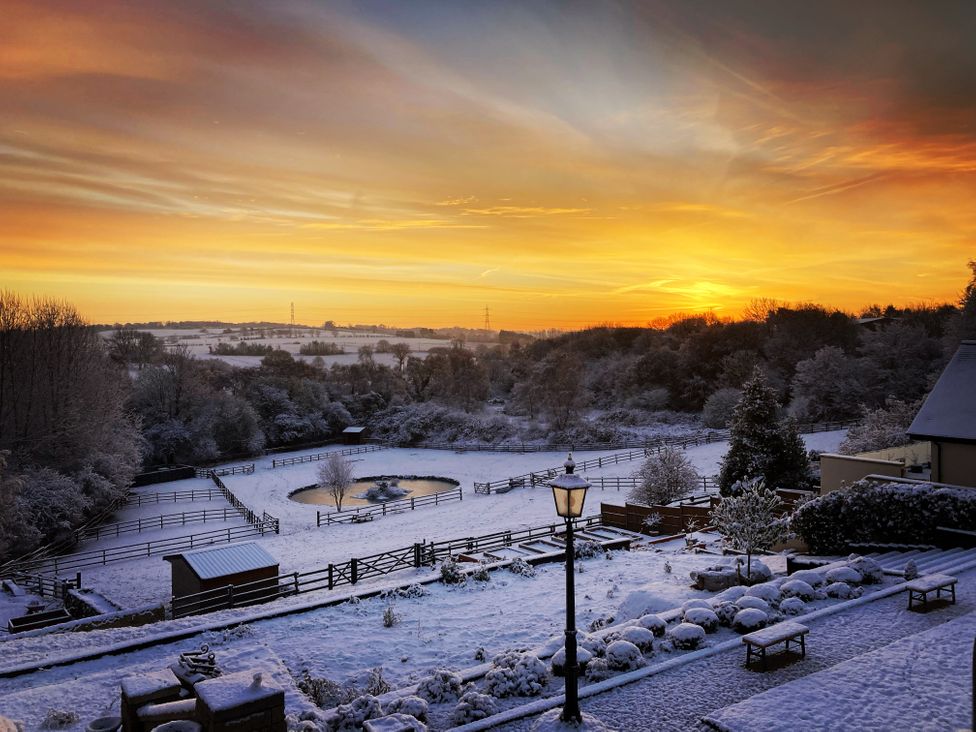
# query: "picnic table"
919 589
786 632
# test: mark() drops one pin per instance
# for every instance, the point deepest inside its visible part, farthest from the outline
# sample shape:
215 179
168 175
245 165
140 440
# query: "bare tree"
335 476
400 352
665 477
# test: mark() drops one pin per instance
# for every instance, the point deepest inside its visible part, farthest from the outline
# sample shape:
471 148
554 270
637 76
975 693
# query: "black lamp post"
569 493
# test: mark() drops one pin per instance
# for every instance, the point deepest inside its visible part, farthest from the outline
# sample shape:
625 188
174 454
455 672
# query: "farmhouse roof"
224 560
949 411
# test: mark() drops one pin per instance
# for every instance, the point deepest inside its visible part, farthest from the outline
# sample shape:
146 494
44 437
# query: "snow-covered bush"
294 723
451 573
597 670
842 591
686 636
882 513
653 623
413 423
689 604
707 619
624 656
664 477
375 683
640 637
558 660
755 603
412 705
844 574
390 616
798 588
725 611
522 568
749 619
587 548
474 706
59 719
871 572
765 591
911 570
439 687
349 717
731 594
481 574
593 643
526 677
813 577
324 693
881 428
405 722
792 606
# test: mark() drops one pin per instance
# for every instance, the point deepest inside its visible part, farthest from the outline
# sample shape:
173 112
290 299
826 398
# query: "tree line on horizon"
80 415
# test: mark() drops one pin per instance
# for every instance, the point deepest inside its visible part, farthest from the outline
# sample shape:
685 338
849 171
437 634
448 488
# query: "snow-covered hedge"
706 618
429 422
842 591
799 588
624 656
765 591
516 675
813 577
474 706
792 606
439 687
411 705
749 619
686 636
845 574
653 623
882 513
640 637
725 611
558 660
352 715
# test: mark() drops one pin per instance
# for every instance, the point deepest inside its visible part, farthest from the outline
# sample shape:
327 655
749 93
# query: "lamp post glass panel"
569 494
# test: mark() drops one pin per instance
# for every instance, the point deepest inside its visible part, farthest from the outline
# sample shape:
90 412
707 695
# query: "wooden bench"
786 632
919 589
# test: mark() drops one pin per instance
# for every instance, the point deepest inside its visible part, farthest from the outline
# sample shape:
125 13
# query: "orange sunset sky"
564 163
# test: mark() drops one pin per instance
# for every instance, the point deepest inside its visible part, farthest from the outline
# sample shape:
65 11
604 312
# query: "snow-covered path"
678 699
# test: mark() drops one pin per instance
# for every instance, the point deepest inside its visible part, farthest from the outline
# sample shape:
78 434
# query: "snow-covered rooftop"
224 560
949 412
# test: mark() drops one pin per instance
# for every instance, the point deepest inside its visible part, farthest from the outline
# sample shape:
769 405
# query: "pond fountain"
378 489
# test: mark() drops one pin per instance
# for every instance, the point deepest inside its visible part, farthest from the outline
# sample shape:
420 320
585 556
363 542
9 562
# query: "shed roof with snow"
949 411
353 430
226 560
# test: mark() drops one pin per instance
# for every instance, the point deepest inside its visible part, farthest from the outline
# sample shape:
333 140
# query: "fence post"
354 571
460 494
331 583
318 518
296 583
416 555
411 503
78 580
230 595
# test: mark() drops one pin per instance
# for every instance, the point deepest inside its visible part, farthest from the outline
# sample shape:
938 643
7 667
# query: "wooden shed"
353 435
207 569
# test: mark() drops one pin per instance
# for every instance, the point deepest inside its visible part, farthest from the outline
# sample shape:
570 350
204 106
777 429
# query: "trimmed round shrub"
842 591
653 623
688 604
725 611
749 619
871 572
558 661
731 594
474 706
707 619
755 603
624 656
597 670
813 577
845 574
640 637
593 643
441 686
766 591
526 677
686 636
411 705
353 714
798 588
792 606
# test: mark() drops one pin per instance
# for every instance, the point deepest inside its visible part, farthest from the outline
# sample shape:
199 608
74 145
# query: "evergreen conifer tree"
762 446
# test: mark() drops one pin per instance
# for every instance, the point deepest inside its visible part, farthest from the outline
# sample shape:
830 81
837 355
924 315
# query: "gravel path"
677 700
